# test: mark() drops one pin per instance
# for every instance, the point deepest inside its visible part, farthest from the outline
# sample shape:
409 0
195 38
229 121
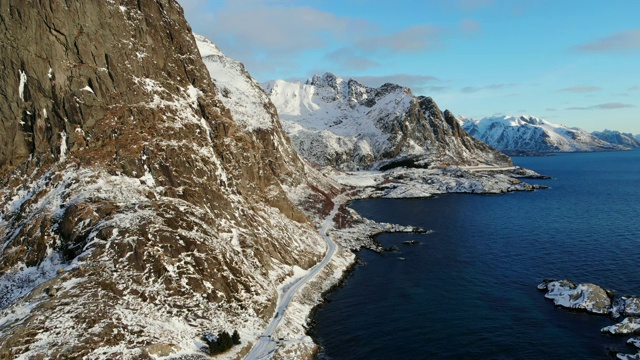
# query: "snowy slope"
244 96
530 134
332 121
251 109
617 137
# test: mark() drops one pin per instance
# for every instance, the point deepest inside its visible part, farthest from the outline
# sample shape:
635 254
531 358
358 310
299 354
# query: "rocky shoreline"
359 233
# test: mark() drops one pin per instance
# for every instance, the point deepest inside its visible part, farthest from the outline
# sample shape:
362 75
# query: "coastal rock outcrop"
626 306
628 326
587 297
634 341
596 300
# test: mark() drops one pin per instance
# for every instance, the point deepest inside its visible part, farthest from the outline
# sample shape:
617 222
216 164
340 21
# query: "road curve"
266 345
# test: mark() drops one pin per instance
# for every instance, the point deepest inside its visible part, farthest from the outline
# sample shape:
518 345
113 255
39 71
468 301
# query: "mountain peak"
326 79
348 125
532 120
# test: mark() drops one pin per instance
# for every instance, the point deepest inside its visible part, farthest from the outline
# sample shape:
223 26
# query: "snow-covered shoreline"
396 183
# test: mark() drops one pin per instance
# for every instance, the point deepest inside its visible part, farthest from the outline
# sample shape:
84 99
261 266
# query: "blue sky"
573 62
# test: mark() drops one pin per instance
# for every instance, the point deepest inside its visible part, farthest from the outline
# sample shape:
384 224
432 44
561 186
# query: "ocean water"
468 291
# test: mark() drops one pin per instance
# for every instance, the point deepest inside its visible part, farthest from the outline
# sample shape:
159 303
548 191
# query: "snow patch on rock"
23 82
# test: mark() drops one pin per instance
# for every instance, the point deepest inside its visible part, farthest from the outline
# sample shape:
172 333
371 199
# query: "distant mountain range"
617 137
342 123
527 134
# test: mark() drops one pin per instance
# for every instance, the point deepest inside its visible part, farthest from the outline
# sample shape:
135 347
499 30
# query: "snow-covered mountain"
617 137
141 203
342 123
528 134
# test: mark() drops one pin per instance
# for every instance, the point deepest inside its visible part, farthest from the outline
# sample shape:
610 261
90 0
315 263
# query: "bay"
468 290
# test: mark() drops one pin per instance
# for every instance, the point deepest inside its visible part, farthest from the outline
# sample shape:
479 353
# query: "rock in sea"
630 325
587 297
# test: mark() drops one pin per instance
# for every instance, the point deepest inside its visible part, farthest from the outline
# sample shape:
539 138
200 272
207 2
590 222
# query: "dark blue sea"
468 291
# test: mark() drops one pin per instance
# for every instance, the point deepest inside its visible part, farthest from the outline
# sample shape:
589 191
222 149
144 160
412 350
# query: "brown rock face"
119 164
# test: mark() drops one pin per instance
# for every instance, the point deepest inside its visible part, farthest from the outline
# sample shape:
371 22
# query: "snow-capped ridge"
245 98
529 134
617 137
346 124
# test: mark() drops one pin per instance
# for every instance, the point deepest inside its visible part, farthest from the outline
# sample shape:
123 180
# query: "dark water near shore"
469 289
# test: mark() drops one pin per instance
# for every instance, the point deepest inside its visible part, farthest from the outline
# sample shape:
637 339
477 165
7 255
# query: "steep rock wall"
131 202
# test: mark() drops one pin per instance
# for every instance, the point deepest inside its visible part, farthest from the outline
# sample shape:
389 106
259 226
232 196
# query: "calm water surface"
469 289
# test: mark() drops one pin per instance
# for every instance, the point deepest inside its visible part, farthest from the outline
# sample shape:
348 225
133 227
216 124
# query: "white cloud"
605 106
411 39
622 41
473 89
581 89
349 59
415 82
470 26
469 5
275 36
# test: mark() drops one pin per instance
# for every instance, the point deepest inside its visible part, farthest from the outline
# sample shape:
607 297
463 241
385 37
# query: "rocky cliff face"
136 210
344 124
528 134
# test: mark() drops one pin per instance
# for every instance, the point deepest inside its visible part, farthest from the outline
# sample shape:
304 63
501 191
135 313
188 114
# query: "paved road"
266 345
487 168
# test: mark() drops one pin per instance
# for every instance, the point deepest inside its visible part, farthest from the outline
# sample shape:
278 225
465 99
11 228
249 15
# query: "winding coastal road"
487 168
266 345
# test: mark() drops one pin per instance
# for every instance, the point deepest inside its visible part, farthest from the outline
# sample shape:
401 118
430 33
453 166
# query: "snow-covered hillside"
245 96
617 137
516 134
342 123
